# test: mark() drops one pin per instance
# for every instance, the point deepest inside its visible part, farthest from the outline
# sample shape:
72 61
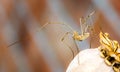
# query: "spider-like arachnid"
75 35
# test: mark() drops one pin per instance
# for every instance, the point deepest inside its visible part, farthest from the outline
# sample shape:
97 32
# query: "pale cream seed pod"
89 61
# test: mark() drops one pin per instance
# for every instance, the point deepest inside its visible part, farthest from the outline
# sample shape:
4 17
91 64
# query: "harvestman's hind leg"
63 38
12 44
78 52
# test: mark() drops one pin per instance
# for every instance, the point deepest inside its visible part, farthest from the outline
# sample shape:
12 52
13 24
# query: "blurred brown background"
24 47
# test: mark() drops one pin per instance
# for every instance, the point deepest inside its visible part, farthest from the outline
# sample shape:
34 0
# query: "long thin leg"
41 29
91 27
81 25
84 22
20 40
63 38
13 44
86 28
90 42
77 51
69 46
93 36
56 23
66 34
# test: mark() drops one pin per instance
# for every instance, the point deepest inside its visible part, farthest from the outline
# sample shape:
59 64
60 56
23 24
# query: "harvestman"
75 35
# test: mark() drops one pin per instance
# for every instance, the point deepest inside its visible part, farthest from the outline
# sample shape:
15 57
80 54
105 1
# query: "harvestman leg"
62 39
